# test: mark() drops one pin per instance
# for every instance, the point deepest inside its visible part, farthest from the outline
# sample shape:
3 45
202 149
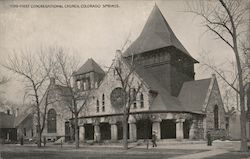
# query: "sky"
96 32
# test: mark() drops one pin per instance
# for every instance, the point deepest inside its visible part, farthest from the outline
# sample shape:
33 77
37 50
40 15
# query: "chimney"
52 81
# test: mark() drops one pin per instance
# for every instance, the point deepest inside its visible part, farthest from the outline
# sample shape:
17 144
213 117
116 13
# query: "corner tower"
162 54
88 76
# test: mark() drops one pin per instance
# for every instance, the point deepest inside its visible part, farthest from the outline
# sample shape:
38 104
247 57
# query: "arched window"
97 106
216 117
51 121
103 102
134 97
142 100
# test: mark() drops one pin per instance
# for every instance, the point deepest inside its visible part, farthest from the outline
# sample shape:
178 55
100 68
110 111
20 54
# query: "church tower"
159 51
88 76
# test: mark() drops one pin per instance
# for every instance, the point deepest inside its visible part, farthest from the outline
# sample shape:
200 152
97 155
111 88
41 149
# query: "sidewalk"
218 148
187 150
202 154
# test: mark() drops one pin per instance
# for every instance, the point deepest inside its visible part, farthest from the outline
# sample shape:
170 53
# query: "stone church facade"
170 102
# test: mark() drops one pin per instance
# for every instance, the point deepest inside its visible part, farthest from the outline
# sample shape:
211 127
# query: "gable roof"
156 34
164 101
29 111
193 94
89 66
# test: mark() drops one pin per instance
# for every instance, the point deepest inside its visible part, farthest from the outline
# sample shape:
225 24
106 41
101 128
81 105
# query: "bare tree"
130 89
227 19
66 65
3 81
31 69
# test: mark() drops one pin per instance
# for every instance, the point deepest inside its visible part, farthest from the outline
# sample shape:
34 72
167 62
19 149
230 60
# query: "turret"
88 76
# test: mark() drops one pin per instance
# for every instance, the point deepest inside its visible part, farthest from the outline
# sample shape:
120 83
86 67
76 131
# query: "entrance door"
89 132
186 129
67 131
105 130
120 130
168 129
144 129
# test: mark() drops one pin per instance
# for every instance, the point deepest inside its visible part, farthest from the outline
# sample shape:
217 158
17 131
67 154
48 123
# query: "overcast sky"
98 32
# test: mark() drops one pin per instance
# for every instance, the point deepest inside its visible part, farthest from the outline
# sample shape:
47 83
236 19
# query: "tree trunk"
39 141
243 122
76 132
39 132
242 99
125 130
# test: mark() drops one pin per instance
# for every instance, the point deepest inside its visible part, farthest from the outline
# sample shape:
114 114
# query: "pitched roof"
156 34
64 92
29 111
6 121
163 101
89 66
193 94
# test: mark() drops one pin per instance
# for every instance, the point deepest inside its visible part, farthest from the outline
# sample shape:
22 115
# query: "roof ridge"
89 66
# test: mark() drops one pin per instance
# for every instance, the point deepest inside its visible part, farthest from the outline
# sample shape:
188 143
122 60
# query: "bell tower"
161 54
88 76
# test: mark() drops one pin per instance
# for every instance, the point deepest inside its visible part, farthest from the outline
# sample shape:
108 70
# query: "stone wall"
213 100
59 103
108 84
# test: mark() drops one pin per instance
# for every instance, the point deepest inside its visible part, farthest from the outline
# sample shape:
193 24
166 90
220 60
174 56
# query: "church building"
170 102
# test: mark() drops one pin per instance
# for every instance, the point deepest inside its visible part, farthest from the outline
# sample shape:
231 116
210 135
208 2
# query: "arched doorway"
168 129
144 129
51 121
105 129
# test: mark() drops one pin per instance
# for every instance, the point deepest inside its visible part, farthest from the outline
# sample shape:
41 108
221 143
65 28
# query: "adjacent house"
8 132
